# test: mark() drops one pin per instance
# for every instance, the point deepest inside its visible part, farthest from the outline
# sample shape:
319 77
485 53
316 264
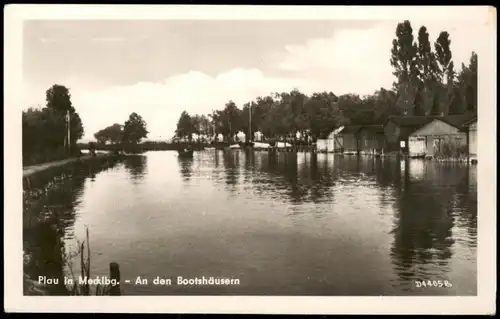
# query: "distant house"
371 139
471 127
348 137
433 137
397 130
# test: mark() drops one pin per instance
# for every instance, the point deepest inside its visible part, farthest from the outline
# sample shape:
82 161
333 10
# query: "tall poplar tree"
405 64
446 73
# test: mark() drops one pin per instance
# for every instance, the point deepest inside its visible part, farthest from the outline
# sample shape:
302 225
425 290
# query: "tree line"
45 130
127 135
426 84
426 79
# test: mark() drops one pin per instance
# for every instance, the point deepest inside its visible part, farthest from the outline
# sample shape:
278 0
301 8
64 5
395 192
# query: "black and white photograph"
243 155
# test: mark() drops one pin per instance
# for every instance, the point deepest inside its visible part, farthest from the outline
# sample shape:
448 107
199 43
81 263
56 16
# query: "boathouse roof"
457 121
418 121
351 129
375 128
470 121
411 121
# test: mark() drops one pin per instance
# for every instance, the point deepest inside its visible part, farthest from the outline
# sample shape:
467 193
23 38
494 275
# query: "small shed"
349 138
371 139
397 130
337 140
444 136
332 143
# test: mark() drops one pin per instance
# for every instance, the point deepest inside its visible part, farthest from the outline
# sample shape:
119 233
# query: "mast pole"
250 123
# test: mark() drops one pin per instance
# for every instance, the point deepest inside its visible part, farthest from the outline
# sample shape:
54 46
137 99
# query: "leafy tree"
59 103
467 85
435 106
404 61
443 56
45 129
445 71
428 69
134 129
228 121
323 114
58 99
185 126
112 134
418 107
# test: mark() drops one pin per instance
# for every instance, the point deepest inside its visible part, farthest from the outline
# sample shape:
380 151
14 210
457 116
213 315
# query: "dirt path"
32 169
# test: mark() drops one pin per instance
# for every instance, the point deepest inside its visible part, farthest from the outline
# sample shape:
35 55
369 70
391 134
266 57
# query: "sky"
158 68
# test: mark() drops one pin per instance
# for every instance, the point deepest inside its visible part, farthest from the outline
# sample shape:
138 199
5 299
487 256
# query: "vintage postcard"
247 159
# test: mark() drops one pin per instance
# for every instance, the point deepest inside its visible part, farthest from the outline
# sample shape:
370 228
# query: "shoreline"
31 170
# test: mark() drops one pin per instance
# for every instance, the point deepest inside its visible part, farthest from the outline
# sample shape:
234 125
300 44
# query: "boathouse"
322 145
443 136
348 137
471 127
371 139
332 143
397 130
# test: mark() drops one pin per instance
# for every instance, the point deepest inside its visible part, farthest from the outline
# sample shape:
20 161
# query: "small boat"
185 153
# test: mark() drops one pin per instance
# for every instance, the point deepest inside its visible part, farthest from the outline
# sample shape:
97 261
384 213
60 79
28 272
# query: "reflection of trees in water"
231 161
47 221
249 167
218 158
186 167
297 175
466 200
424 221
322 177
280 176
135 166
386 170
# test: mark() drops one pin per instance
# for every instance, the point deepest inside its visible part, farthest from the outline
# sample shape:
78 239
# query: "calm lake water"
283 224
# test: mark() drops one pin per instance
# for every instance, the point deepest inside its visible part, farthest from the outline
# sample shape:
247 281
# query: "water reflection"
285 223
427 197
425 218
49 224
136 166
186 167
465 202
231 161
